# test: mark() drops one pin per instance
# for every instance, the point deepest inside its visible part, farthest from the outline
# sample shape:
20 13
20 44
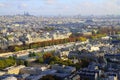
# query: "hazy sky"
60 7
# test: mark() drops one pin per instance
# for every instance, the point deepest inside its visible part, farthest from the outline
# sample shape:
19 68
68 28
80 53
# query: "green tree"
82 39
17 48
7 62
40 60
2 64
32 54
20 62
55 58
26 63
52 62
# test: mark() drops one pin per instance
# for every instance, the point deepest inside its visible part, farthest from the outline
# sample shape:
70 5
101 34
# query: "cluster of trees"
48 58
36 54
106 30
7 62
72 38
4 51
96 36
49 28
45 43
57 60
118 32
32 54
22 62
11 61
45 58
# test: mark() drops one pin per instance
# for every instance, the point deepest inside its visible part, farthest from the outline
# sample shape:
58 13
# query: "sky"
60 7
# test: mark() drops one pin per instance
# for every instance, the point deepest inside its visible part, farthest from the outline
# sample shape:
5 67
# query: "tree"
52 62
47 55
82 39
77 65
26 63
55 58
40 60
32 54
7 62
2 64
20 62
17 48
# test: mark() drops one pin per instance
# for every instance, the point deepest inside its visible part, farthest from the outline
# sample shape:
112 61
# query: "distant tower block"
26 14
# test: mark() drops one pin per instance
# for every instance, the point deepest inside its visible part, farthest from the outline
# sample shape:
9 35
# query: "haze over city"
59 39
60 7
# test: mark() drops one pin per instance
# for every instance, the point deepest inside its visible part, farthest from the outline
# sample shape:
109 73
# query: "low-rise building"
63 68
14 69
30 70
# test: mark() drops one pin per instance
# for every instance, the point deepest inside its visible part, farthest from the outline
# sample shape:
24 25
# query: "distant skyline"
60 7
